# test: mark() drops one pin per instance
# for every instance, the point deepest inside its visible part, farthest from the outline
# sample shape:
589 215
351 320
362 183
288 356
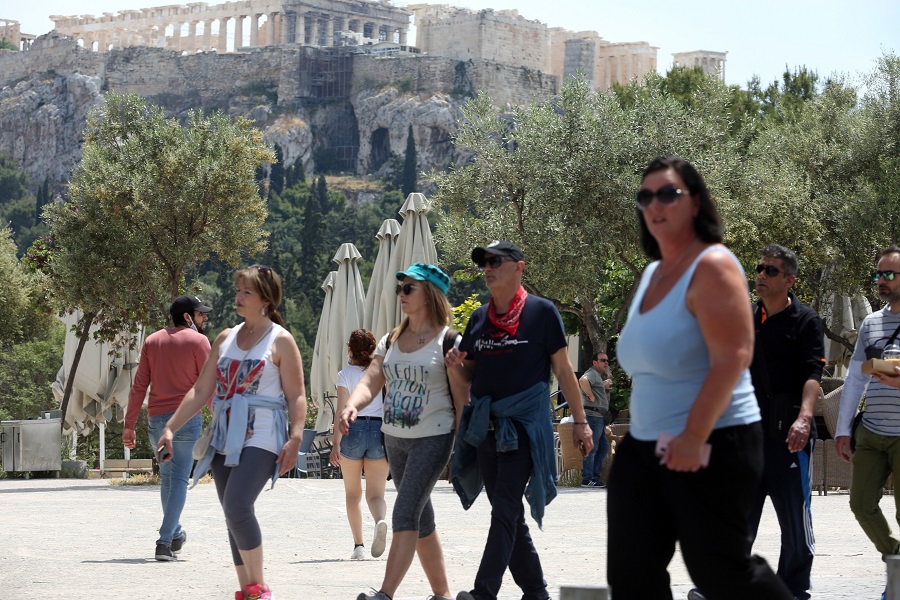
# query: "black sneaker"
178 542
164 553
590 484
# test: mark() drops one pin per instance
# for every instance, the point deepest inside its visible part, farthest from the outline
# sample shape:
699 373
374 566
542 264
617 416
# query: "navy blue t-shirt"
507 365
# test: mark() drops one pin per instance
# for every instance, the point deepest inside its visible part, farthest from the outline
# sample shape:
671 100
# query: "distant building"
11 31
712 63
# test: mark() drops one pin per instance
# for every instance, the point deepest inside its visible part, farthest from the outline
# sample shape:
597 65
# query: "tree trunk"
87 319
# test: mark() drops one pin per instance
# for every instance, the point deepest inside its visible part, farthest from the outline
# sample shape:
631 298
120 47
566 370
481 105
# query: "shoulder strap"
889 341
450 336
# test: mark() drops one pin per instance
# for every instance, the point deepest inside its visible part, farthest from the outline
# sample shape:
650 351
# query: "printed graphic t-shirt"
418 402
506 365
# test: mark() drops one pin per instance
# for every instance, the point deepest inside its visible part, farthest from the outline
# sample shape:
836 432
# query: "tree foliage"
151 198
410 166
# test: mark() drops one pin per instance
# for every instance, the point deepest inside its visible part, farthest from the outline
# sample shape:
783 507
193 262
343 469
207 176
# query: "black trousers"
509 544
787 480
651 507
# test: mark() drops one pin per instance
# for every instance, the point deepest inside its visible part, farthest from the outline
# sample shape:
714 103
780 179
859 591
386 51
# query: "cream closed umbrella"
381 301
347 303
321 363
844 316
415 243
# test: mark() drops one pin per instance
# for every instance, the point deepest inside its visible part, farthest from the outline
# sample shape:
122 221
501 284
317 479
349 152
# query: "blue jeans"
593 462
174 473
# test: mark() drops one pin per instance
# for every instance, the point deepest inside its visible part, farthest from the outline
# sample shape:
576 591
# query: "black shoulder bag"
872 351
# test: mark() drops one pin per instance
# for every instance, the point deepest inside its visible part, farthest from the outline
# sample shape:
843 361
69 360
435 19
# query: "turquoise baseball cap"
422 272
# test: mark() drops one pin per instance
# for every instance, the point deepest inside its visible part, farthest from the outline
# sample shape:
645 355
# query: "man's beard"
890 297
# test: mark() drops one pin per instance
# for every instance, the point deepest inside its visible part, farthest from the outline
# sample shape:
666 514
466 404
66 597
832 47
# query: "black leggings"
238 487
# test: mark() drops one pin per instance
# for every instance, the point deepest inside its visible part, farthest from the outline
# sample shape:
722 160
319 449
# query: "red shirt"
170 364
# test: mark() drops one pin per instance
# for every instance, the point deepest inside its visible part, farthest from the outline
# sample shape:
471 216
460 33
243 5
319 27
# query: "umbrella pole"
102 429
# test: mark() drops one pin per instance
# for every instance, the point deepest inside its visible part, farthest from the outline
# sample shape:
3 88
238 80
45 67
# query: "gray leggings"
416 464
238 487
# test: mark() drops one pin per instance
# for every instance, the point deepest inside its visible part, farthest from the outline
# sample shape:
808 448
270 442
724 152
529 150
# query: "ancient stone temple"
712 63
12 33
198 26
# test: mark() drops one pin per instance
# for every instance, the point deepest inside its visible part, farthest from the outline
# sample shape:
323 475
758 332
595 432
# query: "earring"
263 311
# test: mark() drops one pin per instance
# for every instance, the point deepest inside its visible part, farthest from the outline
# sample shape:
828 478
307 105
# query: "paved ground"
86 539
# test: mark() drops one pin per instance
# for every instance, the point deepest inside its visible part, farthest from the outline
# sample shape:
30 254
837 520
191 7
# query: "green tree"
5 44
151 199
14 293
276 172
410 167
558 179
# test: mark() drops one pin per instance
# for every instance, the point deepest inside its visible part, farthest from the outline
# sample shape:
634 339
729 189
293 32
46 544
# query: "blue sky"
761 37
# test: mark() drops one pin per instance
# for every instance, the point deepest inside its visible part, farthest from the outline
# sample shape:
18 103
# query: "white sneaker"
359 553
380 539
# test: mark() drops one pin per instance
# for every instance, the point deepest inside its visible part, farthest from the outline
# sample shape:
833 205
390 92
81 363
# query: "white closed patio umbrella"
381 301
321 363
415 243
346 315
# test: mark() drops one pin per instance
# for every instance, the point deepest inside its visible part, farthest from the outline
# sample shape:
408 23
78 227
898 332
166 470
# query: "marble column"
403 36
286 20
254 29
222 37
207 35
300 36
329 31
176 36
238 32
270 29
190 45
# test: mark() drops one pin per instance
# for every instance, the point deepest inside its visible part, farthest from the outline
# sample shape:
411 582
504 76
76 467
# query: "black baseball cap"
187 304
497 248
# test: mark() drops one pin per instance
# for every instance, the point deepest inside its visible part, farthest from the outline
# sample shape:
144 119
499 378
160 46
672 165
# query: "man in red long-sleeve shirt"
170 363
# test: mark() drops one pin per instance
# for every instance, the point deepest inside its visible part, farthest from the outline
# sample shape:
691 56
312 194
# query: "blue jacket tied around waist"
228 434
531 409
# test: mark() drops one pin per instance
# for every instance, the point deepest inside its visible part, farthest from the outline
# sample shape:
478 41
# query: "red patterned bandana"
508 322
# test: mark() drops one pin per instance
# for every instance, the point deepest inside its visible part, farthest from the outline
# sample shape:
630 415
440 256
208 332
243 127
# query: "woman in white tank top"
255 373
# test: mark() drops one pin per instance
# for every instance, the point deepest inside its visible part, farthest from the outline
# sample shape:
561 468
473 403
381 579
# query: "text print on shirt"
407 395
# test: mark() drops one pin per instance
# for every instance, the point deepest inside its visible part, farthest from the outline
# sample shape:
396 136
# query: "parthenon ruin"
501 36
199 27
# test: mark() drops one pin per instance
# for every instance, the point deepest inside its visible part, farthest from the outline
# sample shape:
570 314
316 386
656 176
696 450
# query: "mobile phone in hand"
162 454
581 447
663 442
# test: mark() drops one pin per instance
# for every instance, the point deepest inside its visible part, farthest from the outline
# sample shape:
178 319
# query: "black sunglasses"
667 194
602 360
263 270
494 261
405 288
769 269
888 275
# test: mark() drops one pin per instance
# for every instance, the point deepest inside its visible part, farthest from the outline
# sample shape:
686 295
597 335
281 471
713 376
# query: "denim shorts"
365 440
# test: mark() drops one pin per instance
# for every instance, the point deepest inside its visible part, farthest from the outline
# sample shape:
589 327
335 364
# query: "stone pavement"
62 538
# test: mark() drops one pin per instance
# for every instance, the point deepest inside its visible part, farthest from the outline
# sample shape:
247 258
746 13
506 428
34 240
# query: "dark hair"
266 282
707 223
596 355
361 345
785 255
892 249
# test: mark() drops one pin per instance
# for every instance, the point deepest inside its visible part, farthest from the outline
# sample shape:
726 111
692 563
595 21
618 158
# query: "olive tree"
151 198
558 178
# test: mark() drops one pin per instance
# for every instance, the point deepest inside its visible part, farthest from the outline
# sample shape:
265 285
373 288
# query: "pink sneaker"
239 595
255 591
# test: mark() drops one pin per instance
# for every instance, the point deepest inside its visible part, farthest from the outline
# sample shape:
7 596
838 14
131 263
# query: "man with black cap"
505 439
170 363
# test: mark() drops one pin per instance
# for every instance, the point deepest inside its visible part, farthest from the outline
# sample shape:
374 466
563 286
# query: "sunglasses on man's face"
494 261
888 275
666 195
406 288
769 269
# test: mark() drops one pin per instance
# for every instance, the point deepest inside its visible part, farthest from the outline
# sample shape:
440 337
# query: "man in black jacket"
787 370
